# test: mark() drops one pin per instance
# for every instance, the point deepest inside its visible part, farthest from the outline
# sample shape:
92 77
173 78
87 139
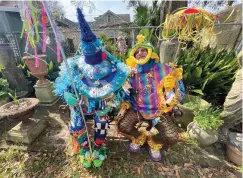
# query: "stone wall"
71 34
227 36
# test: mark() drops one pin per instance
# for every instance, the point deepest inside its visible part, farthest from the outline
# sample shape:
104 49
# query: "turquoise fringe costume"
98 78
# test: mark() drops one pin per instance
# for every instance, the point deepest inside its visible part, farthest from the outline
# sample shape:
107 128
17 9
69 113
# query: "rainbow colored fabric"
145 83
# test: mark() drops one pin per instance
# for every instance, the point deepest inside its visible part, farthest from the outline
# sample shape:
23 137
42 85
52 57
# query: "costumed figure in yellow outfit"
155 89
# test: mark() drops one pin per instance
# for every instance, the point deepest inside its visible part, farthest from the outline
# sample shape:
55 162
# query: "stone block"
45 95
26 131
168 51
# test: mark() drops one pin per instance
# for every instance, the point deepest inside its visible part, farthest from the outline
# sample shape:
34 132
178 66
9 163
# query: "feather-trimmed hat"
98 76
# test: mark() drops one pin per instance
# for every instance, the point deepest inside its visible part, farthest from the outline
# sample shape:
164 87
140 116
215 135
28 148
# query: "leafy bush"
208 72
193 104
107 42
4 89
208 119
109 46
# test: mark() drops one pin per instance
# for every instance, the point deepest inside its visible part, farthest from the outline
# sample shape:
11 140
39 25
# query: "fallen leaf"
176 167
163 173
139 170
200 172
205 170
188 165
177 173
165 169
49 170
169 173
210 175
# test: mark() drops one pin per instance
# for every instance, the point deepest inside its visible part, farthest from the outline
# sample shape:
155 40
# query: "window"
108 18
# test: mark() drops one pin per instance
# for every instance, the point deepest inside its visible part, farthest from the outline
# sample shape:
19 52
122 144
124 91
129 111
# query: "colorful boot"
85 158
136 143
100 127
99 156
154 150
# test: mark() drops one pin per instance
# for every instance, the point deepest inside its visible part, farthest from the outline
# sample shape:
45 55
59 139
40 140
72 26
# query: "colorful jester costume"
156 88
98 78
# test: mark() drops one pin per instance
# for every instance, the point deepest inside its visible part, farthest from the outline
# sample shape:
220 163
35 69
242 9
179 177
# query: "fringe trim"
140 140
153 145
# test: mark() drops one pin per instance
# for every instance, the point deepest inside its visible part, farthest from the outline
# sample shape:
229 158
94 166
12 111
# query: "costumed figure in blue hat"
99 79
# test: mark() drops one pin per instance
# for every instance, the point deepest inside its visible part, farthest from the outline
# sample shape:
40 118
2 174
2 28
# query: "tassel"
27 41
58 53
37 62
76 146
44 29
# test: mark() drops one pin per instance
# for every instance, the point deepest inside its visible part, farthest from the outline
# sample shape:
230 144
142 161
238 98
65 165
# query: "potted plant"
205 125
18 109
4 90
188 105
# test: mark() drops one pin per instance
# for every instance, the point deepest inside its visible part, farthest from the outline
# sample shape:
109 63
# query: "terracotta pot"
204 137
38 72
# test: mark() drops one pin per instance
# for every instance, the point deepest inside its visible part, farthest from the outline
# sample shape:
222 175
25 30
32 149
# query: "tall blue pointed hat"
98 75
90 46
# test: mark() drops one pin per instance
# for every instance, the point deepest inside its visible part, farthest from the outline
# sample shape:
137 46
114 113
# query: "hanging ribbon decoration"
58 52
30 28
44 20
58 41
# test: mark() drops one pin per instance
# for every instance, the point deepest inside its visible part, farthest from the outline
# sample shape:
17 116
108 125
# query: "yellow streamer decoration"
186 24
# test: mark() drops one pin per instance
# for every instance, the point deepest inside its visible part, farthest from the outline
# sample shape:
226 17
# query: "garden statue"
99 78
156 88
121 46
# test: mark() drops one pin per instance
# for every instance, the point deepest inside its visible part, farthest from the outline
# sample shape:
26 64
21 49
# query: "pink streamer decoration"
52 50
58 53
44 29
37 62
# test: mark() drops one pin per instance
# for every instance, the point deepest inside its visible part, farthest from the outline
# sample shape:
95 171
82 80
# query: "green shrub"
208 72
4 89
208 119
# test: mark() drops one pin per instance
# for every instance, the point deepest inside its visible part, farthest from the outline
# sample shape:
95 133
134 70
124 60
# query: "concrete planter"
4 101
188 115
204 137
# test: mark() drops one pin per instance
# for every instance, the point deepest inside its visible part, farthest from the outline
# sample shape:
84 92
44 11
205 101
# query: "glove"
169 83
70 99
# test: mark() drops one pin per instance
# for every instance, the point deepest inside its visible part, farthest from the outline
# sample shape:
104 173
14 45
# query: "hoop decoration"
168 90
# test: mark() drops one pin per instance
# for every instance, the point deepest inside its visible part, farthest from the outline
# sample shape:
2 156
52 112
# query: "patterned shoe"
95 154
155 155
99 156
85 158
134 147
